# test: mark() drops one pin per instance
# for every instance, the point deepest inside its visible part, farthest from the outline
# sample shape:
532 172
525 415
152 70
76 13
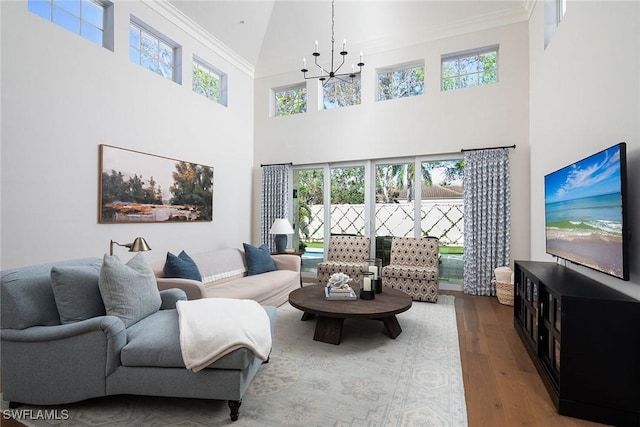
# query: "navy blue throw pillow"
258 259
181 266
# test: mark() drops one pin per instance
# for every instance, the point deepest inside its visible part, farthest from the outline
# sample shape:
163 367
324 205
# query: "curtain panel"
275 199
487 218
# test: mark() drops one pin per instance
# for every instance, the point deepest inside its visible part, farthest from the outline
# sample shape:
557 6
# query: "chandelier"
326 76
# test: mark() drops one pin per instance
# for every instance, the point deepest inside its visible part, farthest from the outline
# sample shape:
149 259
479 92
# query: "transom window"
152 51
470 68
338 93
400 82
83 17
554 11
290 100
209 82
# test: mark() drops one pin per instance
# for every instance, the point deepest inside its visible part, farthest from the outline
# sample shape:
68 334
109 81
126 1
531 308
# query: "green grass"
317 245
457 250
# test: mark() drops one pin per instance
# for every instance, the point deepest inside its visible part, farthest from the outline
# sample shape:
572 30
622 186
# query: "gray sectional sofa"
48 359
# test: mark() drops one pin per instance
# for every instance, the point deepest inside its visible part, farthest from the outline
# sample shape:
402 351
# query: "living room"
63 96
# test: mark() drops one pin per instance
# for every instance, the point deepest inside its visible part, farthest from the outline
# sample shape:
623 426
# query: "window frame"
293 87
106 30
395 68
554 11
371 226
176 49
469 54
211 70
323 89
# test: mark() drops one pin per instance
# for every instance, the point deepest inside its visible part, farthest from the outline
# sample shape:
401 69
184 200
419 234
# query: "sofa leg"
13 405
234 405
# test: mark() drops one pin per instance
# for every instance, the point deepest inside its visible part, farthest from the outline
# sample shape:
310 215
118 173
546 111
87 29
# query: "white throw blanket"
213 327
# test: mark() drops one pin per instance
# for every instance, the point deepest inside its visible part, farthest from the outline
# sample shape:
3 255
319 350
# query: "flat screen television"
585 212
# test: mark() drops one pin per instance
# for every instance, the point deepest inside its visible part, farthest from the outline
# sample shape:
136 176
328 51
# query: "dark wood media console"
584 339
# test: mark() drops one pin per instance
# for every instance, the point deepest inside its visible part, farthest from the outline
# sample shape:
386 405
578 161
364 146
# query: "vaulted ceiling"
274 35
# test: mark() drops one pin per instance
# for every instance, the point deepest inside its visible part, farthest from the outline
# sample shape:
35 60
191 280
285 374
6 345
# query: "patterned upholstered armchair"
348 255
413 268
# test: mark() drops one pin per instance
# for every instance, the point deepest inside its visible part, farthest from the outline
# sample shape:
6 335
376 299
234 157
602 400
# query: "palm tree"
452 169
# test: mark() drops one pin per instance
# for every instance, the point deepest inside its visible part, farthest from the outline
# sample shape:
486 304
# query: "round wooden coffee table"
331 314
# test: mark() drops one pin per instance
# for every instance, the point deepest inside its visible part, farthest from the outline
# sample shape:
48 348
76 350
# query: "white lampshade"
281 226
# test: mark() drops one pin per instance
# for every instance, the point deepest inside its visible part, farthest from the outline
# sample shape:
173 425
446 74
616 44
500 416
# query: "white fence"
439 218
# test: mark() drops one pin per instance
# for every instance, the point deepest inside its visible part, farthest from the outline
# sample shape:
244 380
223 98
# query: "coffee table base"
329 329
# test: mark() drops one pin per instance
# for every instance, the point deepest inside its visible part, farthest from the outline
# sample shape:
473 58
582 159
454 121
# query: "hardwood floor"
502 387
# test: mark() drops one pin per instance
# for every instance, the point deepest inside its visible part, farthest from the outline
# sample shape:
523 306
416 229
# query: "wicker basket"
504 292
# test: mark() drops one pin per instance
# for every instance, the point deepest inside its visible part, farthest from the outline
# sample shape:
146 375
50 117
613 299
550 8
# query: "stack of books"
339 294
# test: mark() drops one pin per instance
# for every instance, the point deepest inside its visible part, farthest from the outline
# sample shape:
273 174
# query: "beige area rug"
367 380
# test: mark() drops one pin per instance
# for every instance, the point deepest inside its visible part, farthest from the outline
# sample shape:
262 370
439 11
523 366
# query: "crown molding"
529 6
195 30
465 26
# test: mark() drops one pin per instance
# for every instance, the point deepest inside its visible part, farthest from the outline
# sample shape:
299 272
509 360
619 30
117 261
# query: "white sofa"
224 275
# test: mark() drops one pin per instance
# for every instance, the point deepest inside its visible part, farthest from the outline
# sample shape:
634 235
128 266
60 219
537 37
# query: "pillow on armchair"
129 291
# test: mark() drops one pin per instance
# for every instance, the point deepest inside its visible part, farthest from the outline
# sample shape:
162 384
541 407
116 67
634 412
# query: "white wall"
437 122
585 96
62 96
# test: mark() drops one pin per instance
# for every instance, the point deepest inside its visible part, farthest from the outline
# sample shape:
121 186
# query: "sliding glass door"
347 210
332 199
309 213
442 214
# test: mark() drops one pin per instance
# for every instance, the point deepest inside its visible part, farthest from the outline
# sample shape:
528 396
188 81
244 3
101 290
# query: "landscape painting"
140 187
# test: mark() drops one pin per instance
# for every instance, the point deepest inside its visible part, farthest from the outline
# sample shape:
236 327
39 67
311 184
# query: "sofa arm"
170 297
193 288
287 262
111 326
37 361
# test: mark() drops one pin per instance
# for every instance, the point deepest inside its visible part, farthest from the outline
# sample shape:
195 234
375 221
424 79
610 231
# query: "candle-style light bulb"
316 46
360 56
304 62
344 44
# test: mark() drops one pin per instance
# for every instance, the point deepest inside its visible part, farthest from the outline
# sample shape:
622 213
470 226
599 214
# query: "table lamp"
281 228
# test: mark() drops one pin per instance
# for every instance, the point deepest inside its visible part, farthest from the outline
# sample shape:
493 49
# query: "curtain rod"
276 164
487 148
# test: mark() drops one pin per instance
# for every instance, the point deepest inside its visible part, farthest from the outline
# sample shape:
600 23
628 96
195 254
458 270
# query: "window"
86 18
400 82
553 13
209 82
471 68
339 93
290 100
442 214
414 197
308 215
395 199
152 51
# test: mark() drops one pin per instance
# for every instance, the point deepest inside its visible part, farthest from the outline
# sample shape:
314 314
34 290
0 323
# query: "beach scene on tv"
583 208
